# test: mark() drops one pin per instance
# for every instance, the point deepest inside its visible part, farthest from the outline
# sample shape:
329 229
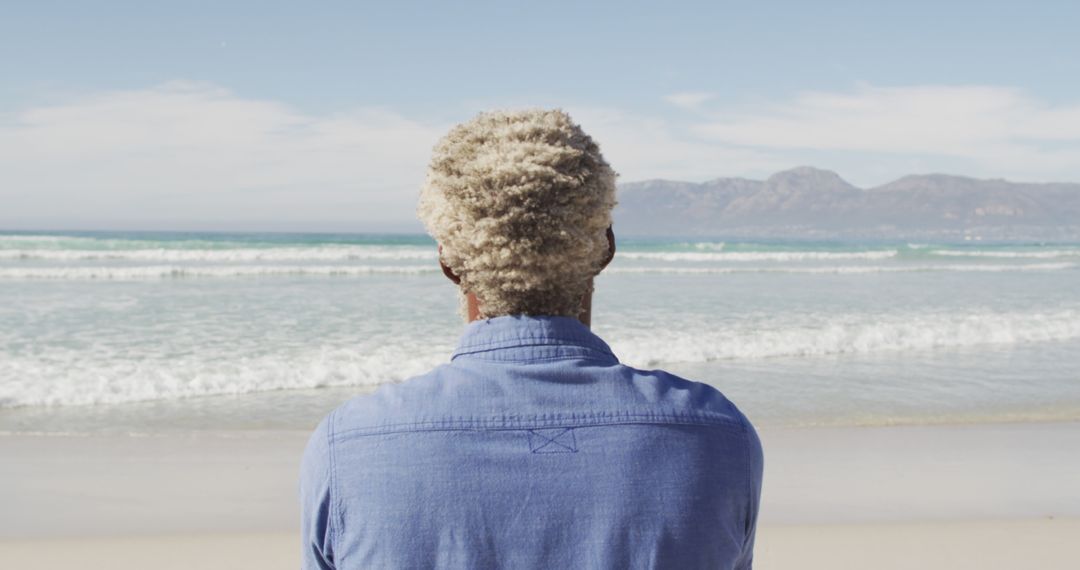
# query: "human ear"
611 247
449 273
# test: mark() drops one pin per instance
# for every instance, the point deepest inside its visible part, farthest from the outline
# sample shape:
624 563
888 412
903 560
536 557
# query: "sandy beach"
957 496
990 544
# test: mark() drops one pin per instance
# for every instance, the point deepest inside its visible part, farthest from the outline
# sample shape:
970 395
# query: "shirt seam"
748 525
532 340
547 337
505 346
602 357
332 510
749 483
503 425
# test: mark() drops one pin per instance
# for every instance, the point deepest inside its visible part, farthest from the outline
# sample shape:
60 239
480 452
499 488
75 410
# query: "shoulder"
316 462
393 403
696 399
678 393
693 395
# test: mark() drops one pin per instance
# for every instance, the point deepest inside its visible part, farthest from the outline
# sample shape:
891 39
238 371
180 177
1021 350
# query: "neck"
585 316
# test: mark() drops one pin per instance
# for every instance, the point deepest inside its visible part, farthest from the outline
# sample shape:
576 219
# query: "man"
533 447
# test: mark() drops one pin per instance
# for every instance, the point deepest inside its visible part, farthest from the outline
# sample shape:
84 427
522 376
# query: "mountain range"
807 202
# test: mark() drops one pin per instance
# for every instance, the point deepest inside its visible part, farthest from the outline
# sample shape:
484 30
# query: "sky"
321 116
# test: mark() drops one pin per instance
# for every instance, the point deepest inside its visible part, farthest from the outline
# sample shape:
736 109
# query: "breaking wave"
83 377
840 334
166 255
757 255
93 375
1045 254
850 269
150 272
180 271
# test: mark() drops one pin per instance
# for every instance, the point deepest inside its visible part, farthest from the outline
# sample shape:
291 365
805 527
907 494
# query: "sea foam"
742 256
95 374
1042 254
135 273
828 335
275 254
96 377
156 272
850 269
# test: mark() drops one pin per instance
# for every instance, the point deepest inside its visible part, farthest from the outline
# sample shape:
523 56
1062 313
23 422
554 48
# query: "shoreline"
1063 418
1047 544
882 495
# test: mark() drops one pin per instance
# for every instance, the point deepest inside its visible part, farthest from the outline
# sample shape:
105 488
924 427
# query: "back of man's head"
520 202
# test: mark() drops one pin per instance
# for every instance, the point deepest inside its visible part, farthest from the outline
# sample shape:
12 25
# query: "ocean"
145 332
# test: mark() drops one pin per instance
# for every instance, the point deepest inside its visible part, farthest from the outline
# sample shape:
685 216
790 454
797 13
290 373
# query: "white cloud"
200 153
995 130
196 151
689 99
642 147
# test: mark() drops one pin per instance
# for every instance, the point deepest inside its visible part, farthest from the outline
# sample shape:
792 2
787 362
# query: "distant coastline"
809 203
799 204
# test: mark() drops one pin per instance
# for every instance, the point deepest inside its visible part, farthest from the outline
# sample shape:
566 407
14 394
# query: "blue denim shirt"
532 448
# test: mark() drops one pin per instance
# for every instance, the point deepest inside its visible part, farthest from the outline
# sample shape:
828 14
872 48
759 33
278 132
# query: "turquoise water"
157 331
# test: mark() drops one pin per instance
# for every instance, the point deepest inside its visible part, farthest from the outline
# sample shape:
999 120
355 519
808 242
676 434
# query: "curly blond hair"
520 202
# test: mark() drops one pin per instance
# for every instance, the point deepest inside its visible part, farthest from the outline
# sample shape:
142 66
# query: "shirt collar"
530 337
